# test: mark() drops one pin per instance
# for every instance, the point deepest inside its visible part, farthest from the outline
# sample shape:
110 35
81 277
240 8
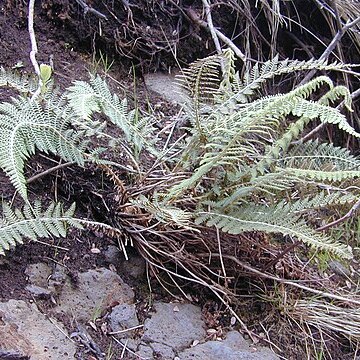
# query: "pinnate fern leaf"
320 161
272 220
26 126
87 98
20 82
259 74
33 223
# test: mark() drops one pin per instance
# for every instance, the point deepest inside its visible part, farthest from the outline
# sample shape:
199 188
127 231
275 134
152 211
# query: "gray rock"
123 317
163 351
112 255
57 279
156 351
174 325
38 274
39 292
234 347
165 85
134 267
145 352
59 274
95 291
28 332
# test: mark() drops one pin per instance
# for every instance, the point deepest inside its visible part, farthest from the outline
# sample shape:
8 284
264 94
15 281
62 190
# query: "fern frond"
201 80
20 82
259 74
26 126
325 114
33 223
272 220
321 200
320 161
165 214
88 98
268 183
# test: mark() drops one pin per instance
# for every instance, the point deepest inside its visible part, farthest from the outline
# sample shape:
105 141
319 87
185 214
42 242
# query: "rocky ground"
69 313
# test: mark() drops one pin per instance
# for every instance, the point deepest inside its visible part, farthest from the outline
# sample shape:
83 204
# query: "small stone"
27 331
123 317
38 274
134 267
39 292
163 351
95 291
95 250
145 351
185 326
112 255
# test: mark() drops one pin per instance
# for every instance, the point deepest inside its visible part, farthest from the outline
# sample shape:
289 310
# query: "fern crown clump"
244 145
247 172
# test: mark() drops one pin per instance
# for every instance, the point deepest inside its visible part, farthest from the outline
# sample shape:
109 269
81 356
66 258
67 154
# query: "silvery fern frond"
22 83
272 219
87 98
33 223
27 126
320 161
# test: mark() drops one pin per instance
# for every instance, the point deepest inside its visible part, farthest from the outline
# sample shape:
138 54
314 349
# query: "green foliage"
247 169
23 83
243 157
95 97
63 125
271 219
27 126
33 223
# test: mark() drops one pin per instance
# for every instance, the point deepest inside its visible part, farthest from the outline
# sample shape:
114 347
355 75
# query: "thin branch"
337 38
194 17
348 215
284 281
91 10
49 171
34 48
281 255
212 29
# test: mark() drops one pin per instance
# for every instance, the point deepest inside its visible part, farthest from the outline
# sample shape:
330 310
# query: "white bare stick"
330 48
195 18
211 26
34 48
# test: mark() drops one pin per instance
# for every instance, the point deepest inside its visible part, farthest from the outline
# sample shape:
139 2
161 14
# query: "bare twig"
125 330
281 255
91 10
284 281
211 27
221 258
348 215
49 171
125 348
34 48
194 17
337 38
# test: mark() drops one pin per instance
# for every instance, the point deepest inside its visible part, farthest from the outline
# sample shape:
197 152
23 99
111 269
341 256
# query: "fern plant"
241 153
65 126
246 172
